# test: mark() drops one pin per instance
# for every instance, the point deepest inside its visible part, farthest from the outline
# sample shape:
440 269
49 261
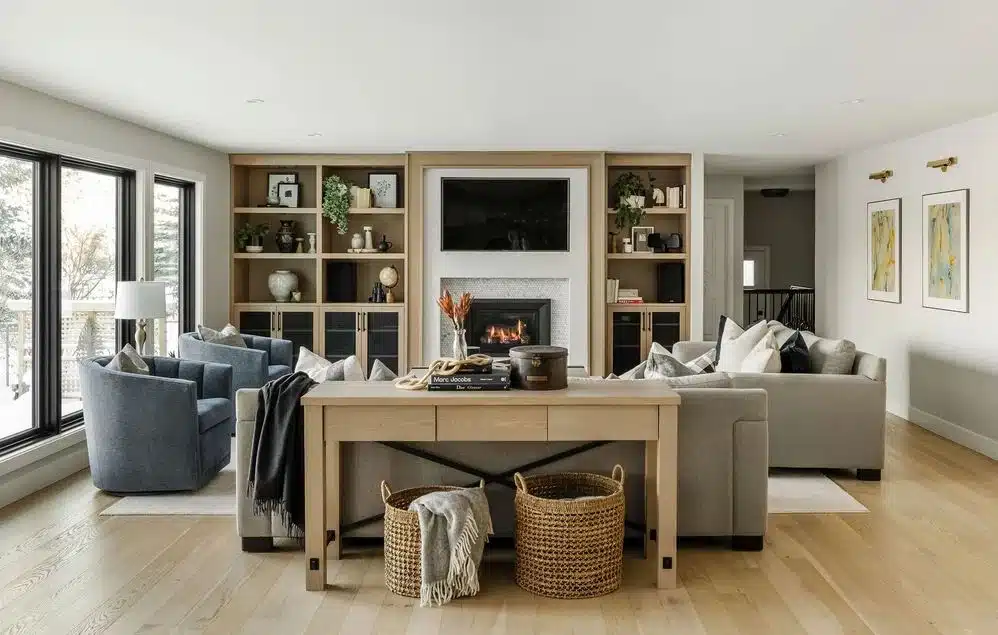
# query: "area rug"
217 498
809 493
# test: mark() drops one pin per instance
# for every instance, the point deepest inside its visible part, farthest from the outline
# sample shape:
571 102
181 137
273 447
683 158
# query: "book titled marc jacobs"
496 380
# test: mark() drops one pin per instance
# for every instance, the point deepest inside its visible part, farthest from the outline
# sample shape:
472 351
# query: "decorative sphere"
389 276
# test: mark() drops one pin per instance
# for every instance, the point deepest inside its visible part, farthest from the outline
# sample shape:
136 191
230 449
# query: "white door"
717 274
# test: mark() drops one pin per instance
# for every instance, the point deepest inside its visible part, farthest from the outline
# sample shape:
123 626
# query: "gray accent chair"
723 471
820 421
264 359
167 431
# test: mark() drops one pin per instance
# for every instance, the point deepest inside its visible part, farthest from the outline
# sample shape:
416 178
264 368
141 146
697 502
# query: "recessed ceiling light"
852 102
777 134
315 134
255 100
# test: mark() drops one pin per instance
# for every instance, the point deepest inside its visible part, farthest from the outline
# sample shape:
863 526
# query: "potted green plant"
629 193
250 237
336 202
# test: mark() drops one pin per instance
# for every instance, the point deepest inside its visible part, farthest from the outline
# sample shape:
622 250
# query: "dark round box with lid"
539 367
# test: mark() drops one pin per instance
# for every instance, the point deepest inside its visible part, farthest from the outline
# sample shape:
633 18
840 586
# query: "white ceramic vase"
281 283
357 242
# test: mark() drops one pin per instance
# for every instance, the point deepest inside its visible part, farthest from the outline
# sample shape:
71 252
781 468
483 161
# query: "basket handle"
618 474
385 492
520 485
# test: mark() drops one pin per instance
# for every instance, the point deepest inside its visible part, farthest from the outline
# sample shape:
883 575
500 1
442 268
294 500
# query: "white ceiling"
719 76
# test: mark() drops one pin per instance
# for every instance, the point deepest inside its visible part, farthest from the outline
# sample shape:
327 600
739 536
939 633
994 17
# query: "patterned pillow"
128 361
661 364
638 372
703 364
229 336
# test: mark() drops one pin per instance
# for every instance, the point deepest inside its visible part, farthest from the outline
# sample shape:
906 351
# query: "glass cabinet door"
627 342
299 327
665 328
340 330
260 323
382 337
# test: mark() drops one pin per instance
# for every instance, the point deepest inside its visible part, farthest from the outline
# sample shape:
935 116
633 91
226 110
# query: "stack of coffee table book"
474 378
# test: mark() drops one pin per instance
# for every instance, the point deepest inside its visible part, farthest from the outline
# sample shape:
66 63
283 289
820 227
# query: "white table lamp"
140 301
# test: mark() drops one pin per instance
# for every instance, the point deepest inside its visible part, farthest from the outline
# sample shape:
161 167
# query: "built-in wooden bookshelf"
334 327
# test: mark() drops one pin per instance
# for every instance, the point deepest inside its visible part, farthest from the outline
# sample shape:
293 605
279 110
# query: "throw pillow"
638 372
764 356
380 372
137 360
612 376
735 344
793 354
229 336
661 364
782 332
703 364
830 357
316 367
124 363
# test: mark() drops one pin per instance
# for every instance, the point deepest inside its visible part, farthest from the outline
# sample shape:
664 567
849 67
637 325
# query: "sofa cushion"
212 412
277 370
793 355
661 364
830 357
228 336
704 380
736 343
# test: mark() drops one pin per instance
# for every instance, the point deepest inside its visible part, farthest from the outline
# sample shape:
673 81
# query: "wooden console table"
610 411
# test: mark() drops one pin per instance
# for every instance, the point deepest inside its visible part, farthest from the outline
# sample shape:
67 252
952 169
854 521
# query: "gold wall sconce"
882 176
942 164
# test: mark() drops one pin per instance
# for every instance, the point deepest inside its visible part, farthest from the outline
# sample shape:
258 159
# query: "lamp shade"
140 300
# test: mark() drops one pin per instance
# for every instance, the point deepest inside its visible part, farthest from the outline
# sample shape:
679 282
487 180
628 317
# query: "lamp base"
140 336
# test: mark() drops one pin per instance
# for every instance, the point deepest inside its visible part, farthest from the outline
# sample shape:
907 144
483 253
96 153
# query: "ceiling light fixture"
852 102
255 100
777 134
315 134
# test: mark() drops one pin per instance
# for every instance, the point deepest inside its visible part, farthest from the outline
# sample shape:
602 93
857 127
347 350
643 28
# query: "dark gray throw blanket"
277 461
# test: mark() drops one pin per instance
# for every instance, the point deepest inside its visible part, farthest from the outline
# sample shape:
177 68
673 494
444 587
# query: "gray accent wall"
786 225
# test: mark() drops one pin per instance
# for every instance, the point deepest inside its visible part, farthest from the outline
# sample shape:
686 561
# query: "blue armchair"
265 358
167 431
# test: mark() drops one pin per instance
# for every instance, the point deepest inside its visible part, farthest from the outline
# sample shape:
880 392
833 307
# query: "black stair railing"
793 307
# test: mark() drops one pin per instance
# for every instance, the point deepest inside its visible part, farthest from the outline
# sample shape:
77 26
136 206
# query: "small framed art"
287 194
945 261
639 238
276 178
883 257
384 187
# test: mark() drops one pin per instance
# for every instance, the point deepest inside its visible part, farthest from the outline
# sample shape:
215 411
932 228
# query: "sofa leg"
747 543
868 475
257 545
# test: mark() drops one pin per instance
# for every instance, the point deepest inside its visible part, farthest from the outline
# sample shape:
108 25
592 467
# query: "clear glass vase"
460 345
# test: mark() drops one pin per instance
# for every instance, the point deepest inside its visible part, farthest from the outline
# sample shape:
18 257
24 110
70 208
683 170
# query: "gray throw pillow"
638 372
380 372
124 363
228 336
662 365
136 359
829 357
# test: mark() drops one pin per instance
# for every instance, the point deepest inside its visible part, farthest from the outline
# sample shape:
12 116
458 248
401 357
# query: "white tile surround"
554 289
561 276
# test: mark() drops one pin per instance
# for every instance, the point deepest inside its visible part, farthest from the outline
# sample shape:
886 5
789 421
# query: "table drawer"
492 423
380 423
602 423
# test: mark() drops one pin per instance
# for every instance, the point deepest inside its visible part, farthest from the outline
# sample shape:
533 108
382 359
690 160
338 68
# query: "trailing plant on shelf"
250 234
629 192
336 202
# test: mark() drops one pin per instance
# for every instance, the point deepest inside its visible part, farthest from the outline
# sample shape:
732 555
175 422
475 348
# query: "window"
748 273
67 237
172 261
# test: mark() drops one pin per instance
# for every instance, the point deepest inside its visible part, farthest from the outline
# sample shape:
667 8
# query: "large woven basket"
402 545
570 548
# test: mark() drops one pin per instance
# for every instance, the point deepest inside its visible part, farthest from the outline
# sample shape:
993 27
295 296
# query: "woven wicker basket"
402 545
570 548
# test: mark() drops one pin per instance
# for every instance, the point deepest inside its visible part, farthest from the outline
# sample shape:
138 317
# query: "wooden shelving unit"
658 211
646 256
378 329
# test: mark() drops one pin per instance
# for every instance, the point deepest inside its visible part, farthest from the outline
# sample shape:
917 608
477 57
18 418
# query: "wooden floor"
925 560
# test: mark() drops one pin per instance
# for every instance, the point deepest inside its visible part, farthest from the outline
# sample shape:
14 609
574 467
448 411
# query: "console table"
597 411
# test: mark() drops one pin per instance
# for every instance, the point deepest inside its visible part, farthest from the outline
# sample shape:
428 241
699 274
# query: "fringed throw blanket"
454 526
277 461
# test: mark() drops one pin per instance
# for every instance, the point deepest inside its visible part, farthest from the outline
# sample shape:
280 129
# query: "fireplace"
495 326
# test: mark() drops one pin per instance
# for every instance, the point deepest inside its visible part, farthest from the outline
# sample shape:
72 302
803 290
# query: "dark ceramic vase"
286 237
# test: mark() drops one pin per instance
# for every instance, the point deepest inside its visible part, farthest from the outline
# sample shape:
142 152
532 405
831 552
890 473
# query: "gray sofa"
263 359
723 470
167 431
820 421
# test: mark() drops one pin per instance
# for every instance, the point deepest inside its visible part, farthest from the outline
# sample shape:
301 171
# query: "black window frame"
46 332
188 201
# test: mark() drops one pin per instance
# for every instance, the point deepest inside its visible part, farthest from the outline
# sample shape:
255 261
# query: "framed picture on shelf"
883 258
945 262
384 187
276 178
639 238
287 194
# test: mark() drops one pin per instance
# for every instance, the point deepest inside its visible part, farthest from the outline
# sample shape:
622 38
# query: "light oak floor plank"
923 561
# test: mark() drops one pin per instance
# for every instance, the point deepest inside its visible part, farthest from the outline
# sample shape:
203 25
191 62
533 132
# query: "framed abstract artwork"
945 263
883 257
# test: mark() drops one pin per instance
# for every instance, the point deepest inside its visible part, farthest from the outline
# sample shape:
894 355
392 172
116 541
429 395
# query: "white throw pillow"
315 366
128 360
228 336
764 357
736 343
381 372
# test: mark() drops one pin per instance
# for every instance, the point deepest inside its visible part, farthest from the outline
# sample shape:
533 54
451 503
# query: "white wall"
733 187
33 119
942 366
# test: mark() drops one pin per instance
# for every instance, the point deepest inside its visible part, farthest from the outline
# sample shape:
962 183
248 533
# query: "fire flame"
504 335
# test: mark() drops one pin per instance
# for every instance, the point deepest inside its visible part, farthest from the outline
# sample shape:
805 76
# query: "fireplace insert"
495 326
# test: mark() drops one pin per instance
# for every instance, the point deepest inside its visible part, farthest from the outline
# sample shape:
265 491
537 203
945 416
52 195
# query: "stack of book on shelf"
675 196
612 285
472 378
629 296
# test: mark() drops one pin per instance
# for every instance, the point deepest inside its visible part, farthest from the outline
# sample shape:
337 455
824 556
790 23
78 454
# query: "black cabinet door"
626 350
665 328
256 323
299 327
339 331
382 335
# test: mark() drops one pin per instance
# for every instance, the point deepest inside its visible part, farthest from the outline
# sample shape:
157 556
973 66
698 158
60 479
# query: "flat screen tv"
514 214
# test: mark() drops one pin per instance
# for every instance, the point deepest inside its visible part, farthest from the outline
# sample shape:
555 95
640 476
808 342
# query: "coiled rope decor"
444 367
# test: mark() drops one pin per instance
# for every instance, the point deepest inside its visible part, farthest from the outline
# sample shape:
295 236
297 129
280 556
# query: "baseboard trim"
957 434
38 467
